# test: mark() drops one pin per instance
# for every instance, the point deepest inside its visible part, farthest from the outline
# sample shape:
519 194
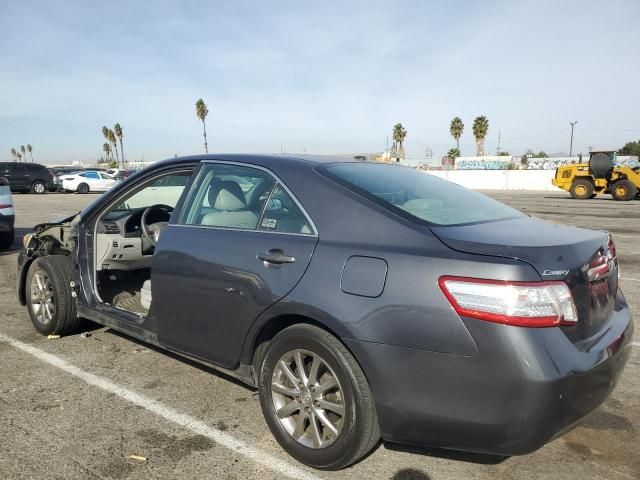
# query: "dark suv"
27 177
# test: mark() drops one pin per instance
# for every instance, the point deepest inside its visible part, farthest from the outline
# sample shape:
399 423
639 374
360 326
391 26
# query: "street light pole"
571 144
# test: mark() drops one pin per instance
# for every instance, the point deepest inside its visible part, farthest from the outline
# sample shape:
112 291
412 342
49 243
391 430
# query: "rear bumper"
6 222
523 388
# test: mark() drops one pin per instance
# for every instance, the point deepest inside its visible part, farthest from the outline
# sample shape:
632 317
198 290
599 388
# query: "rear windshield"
417 195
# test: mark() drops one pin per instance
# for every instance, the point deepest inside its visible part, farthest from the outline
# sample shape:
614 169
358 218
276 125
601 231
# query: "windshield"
417 195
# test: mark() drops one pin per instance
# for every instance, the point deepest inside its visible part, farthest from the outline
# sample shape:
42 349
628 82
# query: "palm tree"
14 154
480 130
105 132
399 134
202 111
24 152
453 153
106 148
118 131
456 128
112 140
19 155
29 149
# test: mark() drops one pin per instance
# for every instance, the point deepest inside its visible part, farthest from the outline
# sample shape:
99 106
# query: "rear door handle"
275 256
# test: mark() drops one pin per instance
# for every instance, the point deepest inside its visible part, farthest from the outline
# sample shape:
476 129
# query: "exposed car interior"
125 240
227 196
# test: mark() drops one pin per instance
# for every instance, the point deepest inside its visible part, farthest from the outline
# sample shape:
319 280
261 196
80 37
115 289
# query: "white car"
89 181
7 215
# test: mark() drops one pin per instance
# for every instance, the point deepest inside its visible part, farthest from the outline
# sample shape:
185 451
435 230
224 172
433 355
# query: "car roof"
265 160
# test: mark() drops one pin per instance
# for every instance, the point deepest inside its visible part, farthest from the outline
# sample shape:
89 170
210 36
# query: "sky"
317 77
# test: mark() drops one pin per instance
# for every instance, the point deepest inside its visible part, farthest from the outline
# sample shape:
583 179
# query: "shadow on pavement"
182 359
410 474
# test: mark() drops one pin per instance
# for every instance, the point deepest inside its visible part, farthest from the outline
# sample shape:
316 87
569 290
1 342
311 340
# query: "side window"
92 175
282 214
229 196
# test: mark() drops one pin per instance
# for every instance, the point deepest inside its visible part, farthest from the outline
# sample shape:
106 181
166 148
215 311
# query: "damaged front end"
56 238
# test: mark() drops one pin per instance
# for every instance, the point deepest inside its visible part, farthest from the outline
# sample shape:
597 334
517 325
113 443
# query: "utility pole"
498 149
571 144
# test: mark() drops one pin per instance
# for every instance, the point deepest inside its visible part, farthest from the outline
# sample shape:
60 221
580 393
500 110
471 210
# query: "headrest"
227 195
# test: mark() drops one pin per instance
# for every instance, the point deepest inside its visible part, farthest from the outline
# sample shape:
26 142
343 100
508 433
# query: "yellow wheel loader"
600 175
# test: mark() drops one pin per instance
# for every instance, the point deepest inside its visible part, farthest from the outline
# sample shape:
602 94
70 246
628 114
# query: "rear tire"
624 190
83 188
581 189
307 407
38 187
51 306
6 239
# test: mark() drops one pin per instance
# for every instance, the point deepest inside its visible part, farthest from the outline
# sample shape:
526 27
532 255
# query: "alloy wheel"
42 302
308 398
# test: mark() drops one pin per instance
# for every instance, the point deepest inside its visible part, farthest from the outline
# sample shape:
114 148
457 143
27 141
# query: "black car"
363 300
27 177
7 215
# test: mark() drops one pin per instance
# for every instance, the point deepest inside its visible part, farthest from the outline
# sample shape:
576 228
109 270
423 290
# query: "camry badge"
554 273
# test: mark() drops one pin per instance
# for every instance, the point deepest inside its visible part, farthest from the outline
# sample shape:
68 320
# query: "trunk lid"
582 258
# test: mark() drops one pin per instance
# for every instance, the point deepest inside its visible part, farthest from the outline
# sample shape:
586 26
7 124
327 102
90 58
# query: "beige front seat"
230 205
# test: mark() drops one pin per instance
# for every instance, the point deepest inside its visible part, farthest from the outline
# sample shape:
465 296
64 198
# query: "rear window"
418 196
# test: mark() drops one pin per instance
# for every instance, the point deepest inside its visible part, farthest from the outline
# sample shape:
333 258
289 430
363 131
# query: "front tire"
51 306
6 239
624 190
83 188
316 399
581 189
38 187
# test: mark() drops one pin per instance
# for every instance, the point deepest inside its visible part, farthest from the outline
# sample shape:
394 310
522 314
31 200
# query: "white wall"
499 179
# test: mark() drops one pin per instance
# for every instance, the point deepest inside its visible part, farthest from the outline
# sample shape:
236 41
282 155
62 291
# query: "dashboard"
120 244
128 223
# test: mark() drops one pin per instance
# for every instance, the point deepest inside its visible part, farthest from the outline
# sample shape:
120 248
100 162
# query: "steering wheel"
151 232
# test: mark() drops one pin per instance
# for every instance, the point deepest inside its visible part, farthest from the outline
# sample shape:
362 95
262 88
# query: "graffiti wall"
483 163
515 162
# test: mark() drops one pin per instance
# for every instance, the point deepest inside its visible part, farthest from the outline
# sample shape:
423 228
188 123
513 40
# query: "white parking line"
630 279
168 413
635 344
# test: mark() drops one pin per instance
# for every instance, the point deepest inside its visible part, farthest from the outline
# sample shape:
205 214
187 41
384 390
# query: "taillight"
525 304
612 256
5 205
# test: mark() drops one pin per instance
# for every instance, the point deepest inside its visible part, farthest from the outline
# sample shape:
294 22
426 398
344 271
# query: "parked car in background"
61 171
120 174
87 181
27 177
361 299
7 215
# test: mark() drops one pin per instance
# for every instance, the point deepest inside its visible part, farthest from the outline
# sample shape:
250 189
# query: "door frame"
193 168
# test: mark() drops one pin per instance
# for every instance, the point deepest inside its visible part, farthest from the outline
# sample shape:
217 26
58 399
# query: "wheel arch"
266 327
22 281
266 330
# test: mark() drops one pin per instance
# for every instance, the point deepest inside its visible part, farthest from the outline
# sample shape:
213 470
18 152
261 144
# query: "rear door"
241 243
16 174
